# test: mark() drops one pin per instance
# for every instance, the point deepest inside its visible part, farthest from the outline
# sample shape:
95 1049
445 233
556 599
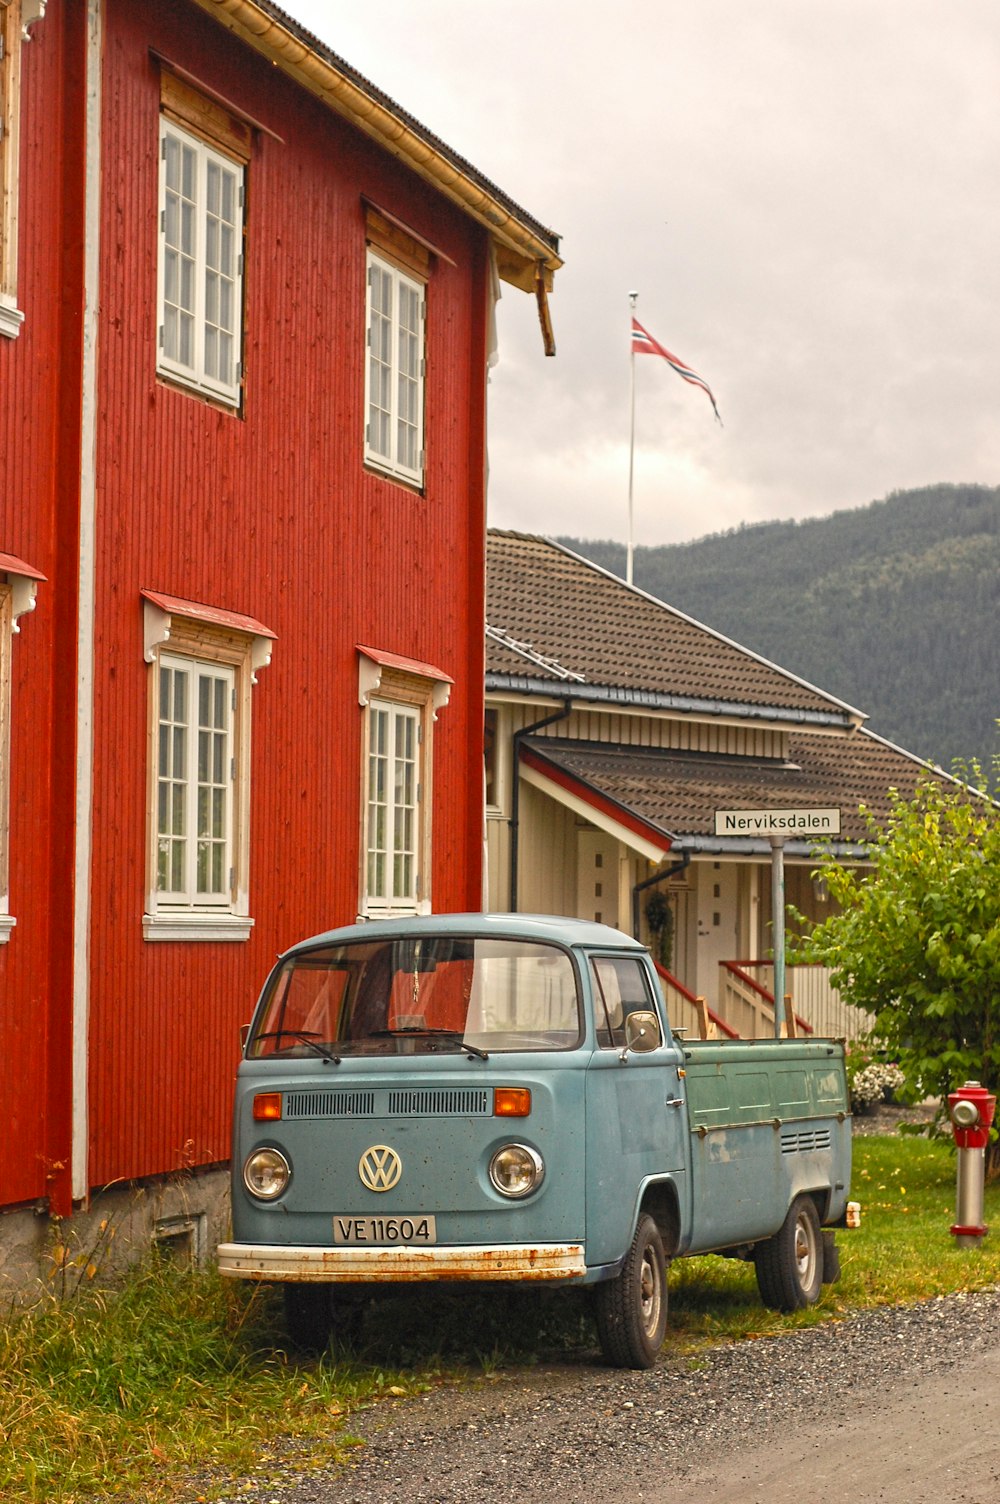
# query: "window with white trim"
393 845
15 18
198 863
401 698
18 585
200 269
394 371
196 769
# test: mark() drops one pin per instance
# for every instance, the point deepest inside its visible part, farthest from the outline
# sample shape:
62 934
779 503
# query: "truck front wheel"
790 1265
315 1312
632 1309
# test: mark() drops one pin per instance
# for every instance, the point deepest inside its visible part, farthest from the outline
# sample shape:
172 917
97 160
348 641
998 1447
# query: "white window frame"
199 302
17 597
393 875
406 692
196 773
15 18
395 369
215 649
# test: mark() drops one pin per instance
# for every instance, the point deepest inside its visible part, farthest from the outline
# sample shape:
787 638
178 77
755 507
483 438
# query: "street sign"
790 823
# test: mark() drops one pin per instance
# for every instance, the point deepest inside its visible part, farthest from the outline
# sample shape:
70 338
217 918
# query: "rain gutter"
647 699
739 846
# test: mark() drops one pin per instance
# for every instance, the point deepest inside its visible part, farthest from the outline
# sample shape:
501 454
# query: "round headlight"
266 1174
516 1170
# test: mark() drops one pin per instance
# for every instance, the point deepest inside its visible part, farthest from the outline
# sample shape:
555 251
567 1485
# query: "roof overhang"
583 799
517 688
527 254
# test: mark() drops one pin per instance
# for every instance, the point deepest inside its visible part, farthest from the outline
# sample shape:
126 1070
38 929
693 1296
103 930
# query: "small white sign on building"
803 824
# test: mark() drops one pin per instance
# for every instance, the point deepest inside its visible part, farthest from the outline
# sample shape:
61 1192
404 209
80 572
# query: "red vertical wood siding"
269 512
34 443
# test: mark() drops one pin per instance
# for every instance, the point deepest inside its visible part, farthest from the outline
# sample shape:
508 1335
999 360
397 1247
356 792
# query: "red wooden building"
245 320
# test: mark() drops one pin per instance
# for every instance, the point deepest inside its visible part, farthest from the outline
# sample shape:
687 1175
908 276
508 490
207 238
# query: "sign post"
779 826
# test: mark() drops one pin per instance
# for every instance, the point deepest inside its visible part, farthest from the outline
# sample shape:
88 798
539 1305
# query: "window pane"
193 856
395 375
200 241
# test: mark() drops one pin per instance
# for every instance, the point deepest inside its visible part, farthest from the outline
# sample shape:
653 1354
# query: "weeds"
177 1377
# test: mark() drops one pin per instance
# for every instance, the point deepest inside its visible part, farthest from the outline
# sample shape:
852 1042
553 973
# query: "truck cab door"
636 1120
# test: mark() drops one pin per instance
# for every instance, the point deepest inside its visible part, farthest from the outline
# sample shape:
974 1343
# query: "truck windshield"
422 995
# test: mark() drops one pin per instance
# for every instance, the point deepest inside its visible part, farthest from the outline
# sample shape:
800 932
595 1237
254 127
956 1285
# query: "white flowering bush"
872 1082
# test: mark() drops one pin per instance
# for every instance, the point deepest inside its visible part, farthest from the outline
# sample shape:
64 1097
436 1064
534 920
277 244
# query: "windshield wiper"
309 1040
422 1033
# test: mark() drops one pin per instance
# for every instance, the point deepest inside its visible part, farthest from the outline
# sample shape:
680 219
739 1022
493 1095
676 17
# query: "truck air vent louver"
329 1104
446 1102
806 1142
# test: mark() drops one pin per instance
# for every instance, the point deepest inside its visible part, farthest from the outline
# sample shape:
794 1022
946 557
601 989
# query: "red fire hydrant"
971 1110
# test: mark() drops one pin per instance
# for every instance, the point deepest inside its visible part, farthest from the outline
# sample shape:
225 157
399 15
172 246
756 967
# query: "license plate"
382 1231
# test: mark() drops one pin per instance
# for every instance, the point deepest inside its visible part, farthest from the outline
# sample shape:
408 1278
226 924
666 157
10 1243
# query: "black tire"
790 1265
632 1309
308 1317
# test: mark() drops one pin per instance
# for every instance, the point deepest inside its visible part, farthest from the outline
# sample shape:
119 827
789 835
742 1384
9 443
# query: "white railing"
744 1002
690 1013
814 999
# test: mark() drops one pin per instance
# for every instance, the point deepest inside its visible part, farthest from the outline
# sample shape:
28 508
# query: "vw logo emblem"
380 1167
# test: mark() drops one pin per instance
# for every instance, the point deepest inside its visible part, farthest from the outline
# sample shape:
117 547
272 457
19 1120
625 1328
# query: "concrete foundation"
184 1217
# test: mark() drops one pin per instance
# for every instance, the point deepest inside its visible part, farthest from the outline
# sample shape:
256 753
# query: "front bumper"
264 1262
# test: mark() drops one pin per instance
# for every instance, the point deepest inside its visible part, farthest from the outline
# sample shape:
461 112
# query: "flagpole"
631 444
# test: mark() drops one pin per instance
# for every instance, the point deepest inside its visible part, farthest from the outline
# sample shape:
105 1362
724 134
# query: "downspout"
515 796
650 882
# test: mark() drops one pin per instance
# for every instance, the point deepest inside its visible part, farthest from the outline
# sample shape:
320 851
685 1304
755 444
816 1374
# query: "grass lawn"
133 1390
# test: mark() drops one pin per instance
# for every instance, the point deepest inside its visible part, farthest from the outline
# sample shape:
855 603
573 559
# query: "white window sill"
413 479
11 319
201 926
7 923
402 911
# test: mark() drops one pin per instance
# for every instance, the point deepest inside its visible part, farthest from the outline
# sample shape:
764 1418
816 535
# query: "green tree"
917 942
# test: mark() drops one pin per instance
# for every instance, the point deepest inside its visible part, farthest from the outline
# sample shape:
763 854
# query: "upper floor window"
394 385
200 265
15 18
199 778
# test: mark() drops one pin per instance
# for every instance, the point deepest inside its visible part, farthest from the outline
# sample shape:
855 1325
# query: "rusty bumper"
541 1261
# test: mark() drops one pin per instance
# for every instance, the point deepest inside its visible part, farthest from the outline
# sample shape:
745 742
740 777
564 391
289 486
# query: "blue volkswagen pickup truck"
489 1097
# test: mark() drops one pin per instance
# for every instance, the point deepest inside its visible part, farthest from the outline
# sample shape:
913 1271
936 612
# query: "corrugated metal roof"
623 643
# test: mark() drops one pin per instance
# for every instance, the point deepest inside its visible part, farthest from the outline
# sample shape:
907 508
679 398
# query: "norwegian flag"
643 343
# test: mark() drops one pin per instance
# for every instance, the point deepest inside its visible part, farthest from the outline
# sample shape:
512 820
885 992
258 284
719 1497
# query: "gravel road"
578 1432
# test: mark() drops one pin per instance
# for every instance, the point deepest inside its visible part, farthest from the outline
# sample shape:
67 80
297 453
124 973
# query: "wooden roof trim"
526 256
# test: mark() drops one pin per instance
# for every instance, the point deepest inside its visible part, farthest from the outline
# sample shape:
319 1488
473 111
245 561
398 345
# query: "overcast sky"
804 195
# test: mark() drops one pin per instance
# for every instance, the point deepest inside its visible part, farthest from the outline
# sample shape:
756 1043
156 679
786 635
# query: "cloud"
803 195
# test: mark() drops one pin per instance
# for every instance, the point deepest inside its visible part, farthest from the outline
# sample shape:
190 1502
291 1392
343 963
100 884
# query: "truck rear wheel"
632 1309
790 1265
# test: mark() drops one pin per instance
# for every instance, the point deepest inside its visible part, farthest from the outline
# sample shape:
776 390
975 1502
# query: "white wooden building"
616 727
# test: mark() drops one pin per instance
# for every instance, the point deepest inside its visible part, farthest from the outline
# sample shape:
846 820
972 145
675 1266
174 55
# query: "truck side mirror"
642 1032
244 1035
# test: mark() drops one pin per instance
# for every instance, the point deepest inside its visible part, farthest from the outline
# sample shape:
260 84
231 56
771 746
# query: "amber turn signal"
511 1102
267 1107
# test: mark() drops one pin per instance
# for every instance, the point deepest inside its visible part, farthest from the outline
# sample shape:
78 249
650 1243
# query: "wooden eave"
527 254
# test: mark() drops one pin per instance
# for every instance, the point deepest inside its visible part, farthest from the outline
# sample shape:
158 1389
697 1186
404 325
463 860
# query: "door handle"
675 1102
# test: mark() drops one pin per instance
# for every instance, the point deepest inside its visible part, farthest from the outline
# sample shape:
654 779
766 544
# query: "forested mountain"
893 607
